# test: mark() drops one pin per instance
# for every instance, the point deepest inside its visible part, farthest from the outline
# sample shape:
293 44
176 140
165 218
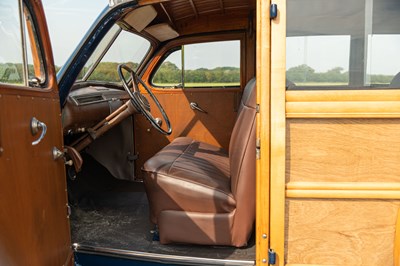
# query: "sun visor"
162 32
140 17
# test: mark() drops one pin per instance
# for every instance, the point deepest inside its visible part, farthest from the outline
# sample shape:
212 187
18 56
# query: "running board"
159 258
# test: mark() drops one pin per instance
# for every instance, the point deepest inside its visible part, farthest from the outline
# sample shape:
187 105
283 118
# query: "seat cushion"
189 175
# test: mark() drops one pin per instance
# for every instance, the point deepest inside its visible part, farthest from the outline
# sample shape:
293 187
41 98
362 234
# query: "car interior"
159 128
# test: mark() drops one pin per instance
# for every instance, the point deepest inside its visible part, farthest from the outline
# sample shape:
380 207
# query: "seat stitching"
202 173
172 164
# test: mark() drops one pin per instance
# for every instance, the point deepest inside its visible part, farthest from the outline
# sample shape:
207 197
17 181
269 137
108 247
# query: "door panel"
341 177
33 211
34 227
342 189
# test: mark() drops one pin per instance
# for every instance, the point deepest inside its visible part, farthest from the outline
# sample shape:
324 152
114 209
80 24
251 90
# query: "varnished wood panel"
396 251
278 132
34 228
343 104
33 214
263 85
336 232
343 150
352 165
343 190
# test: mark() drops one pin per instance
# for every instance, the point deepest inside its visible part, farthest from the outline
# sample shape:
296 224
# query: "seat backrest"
242 156
395 83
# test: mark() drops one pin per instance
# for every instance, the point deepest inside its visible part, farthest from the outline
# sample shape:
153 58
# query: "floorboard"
111 213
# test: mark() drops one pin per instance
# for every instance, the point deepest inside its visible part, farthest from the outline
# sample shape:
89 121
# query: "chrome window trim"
23 43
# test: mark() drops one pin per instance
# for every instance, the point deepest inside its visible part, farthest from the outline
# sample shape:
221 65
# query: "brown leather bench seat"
202 194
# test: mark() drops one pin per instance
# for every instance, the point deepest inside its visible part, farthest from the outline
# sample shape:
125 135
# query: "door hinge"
271 257
68 211
273 12
257 108
258 146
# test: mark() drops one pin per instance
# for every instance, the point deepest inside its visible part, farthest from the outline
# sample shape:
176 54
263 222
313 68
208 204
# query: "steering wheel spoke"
141 102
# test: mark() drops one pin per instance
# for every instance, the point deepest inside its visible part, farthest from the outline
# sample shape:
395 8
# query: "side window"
335 46
212 64
169 74
19 66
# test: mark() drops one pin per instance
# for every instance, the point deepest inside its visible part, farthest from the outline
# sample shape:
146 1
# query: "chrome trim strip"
160 258
23 42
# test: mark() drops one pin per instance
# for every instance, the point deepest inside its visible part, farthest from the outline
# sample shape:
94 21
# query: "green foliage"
169 73
304 74
107 71
12 73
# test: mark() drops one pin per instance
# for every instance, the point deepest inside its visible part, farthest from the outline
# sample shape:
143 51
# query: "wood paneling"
278 130
263 85
343 104
343 150
335 232
396 251
343 190
343 186
34 227
33 213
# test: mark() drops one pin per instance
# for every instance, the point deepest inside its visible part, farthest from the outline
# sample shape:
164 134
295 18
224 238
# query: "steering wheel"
140 101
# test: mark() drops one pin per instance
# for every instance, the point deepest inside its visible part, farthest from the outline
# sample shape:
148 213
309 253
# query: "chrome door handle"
37 125
195 106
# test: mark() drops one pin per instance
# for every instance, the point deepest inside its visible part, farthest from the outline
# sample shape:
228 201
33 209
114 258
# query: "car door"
34 224
335 132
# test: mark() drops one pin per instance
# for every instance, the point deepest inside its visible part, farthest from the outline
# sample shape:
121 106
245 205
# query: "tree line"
169 73
305 74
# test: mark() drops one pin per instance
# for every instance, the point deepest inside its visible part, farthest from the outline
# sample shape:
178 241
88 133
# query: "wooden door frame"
271 129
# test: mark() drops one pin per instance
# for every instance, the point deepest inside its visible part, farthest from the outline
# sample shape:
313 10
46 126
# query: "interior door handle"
195 106
37 125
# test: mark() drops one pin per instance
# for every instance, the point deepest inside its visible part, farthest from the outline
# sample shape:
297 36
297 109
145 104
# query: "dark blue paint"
82 259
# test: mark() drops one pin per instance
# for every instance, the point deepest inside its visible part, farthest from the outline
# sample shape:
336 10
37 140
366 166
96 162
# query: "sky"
68 21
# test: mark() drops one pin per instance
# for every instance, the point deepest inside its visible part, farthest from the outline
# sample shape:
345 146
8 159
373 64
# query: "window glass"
126 47
169 74
11 47
328 65
334 44
212 64
10 44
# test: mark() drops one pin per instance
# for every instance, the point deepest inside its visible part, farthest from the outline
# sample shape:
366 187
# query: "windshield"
117 47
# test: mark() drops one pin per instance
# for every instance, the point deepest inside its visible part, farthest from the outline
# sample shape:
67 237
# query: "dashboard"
87 106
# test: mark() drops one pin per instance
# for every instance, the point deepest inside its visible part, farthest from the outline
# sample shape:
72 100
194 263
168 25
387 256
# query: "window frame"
354 102
30 32
175 45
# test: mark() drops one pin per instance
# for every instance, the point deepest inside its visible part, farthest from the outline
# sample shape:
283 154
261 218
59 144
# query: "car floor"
111 213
